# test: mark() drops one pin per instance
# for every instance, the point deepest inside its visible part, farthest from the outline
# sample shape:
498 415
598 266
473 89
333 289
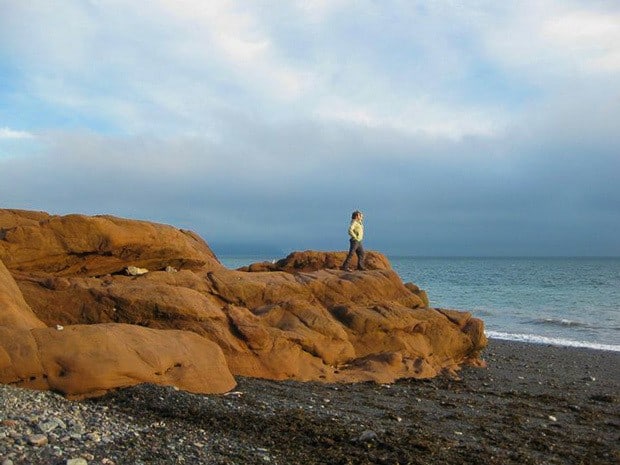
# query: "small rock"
171 269
95 437
135 271
368 436
48 426
60 327
107 461
7 462
37 439
77 461
552 418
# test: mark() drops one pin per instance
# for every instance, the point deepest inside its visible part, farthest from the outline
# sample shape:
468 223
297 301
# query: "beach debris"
234 393
458 433
60 327
171 269
552 418
135 271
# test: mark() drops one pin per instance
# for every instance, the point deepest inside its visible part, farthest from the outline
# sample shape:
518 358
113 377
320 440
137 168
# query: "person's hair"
355 214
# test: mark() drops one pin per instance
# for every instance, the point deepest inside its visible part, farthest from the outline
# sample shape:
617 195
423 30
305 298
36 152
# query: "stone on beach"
198 325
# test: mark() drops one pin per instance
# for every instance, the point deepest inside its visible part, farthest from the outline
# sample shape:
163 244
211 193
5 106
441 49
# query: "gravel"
532 405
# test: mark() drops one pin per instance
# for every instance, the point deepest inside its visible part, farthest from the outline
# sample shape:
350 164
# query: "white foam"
551 341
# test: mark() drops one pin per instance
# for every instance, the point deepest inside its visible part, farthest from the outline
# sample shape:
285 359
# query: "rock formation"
313 261
189 320
78 245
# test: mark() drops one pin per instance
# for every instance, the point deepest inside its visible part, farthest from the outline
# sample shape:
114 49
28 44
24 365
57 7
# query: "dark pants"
357 248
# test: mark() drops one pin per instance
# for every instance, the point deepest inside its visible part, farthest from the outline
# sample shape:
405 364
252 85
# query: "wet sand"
533 404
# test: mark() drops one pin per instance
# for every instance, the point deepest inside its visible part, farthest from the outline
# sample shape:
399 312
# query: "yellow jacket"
356 230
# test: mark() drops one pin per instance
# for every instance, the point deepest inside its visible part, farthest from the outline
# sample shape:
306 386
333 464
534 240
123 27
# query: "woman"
356 234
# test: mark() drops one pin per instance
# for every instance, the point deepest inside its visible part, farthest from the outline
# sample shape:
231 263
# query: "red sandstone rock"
98 245
88 360
313 261
302 318
14 311
83 361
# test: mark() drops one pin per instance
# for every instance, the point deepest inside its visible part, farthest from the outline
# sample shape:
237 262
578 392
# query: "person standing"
356 234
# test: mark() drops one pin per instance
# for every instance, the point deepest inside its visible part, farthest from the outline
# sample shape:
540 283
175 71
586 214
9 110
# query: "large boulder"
96 245
88 360
303 318
85 361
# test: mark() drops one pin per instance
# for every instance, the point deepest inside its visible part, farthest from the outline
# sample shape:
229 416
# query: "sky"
459 128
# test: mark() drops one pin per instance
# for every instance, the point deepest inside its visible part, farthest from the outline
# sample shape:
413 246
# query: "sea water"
560 301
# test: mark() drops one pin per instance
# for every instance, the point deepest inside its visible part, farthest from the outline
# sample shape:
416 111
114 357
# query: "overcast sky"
458 127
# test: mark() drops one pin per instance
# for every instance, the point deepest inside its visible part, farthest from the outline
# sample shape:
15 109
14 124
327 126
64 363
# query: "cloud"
591 39
8 133
493 135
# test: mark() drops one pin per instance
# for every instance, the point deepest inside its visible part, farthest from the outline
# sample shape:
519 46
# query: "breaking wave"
559 322
535 339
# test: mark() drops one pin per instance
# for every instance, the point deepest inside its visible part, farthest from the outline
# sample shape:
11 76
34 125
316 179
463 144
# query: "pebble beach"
533 404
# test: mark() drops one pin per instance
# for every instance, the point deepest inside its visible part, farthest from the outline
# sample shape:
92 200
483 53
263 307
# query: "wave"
483 312
566 323
535 339
559 322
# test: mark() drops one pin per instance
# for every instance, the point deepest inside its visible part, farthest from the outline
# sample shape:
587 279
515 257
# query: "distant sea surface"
559 301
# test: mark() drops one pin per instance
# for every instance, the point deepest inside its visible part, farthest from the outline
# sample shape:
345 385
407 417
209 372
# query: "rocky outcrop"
313 261
95 245
88 360
299 318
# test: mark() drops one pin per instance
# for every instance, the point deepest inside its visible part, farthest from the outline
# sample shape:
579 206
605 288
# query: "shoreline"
533 404
550 341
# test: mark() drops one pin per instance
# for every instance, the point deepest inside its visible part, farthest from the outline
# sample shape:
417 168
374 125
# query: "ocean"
557 301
